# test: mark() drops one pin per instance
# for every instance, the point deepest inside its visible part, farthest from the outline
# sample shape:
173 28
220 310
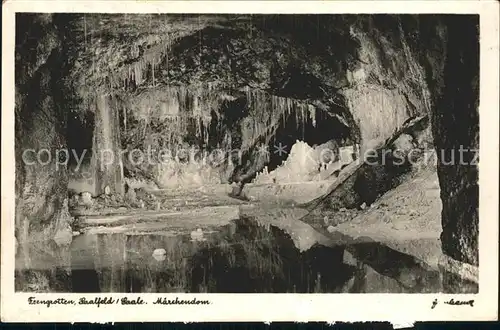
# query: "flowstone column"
106 157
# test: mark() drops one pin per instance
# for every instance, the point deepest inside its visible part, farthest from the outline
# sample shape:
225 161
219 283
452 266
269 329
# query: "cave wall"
41 185
457 126
455 119
445 51
387 85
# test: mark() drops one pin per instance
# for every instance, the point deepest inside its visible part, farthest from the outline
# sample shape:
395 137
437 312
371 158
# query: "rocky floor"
407 218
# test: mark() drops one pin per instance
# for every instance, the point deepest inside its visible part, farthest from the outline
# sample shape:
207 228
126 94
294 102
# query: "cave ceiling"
300 56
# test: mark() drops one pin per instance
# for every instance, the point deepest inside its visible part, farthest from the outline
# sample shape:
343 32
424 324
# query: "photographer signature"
454 302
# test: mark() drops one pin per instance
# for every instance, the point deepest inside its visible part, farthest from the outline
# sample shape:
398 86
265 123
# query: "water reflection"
240 257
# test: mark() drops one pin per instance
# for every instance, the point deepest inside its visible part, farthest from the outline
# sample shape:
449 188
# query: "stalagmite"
303 119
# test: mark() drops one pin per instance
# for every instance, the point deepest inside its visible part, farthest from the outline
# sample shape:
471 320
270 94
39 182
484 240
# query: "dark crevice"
79 137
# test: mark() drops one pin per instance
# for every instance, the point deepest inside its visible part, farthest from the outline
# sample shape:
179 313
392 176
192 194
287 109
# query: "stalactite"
125 119
138 73
303 119
206 137
153 71
267 110
85 30
182 92
281 111
297 120
312 114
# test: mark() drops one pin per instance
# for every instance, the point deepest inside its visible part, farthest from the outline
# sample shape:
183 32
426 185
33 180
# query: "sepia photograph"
191 153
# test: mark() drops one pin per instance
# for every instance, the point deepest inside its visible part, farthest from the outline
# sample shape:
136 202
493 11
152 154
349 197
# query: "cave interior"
272 92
